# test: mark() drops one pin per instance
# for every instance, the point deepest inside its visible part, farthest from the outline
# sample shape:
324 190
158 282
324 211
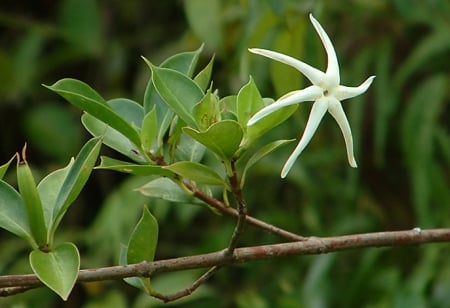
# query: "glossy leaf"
261 153
76 178
4 167
166 189
126 167
84 97
32 201
223 138
57 269
112 138
13 216
178 91
196 172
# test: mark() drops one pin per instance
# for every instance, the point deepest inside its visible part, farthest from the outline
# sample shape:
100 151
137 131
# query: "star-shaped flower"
326 92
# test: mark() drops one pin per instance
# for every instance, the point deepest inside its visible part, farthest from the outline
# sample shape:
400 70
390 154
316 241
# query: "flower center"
325 93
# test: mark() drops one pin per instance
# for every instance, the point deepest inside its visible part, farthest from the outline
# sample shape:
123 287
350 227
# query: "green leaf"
76 178
268 148
207 111
31 200
143 240
178 91
112 138
57 269
126 167
49 188
184 62
196 172
84 97
166 189
223 138
141 283
149 131
4 167
249 101
255 131
13 216
204 76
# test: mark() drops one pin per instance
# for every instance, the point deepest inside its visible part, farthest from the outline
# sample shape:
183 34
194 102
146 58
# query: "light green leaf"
143 240
126 167
141 283
84 97
268 148
207 111
149 131
112 138
178 91
49 188
4 167
166 189
223 138
13 216
32 201
76 178
184 62
57 269
196 172
249 101
204 76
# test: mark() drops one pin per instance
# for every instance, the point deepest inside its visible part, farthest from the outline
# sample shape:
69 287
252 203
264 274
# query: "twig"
241 209
189 290
312 246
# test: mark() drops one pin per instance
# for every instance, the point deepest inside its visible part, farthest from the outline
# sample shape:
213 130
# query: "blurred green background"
400 126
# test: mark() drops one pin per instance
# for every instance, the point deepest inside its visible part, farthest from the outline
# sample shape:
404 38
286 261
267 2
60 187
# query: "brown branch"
314 245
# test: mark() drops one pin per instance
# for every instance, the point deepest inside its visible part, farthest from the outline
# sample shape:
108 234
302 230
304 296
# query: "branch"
311 246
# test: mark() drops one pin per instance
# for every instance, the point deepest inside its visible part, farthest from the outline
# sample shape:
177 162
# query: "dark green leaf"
203 78
126 167
196 172
143 240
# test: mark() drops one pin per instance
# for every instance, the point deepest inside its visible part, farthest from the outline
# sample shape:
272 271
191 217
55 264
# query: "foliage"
401 136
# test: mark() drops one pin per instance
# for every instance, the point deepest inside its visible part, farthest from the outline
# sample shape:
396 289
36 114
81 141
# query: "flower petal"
318 110
335 109
308 94
333 65
313 74
343 92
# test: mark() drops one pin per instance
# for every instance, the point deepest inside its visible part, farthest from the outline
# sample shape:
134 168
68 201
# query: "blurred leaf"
108 163
57 269
204 19
189 149
80 24
223 138
13 216
49 124
76 178
196 172
31 200
5 166
84 97
178 91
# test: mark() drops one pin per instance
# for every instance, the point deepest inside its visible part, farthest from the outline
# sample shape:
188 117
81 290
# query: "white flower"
326 92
